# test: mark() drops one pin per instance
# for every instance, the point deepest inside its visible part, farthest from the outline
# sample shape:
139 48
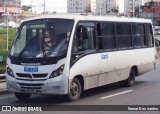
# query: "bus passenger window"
139 38
123 34
149 35
106 36
84 40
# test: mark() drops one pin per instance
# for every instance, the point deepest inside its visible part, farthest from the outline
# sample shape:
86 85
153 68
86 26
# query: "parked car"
158 32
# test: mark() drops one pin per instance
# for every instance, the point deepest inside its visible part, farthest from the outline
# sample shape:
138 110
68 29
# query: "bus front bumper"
55 86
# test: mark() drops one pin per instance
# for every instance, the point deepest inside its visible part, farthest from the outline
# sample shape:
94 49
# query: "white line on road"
106 97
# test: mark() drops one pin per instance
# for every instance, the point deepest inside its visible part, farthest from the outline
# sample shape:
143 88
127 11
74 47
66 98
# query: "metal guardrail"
2 78
1 75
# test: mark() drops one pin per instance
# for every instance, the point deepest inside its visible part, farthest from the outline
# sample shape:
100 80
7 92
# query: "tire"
75 90
22 96
130 81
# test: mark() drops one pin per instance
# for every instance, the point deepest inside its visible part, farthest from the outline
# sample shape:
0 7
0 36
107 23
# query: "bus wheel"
130 81
75 90
22 96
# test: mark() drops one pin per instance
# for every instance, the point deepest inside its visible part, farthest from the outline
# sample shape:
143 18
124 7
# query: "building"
151 10
93 6
78 6
129 6
104 7
11 6
145 1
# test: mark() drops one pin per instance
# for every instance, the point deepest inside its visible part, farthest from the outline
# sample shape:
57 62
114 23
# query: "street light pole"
7 31
100 6
32 6
132 8
7 21
44 6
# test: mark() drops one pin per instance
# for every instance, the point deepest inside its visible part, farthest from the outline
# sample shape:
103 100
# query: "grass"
3 45
2 69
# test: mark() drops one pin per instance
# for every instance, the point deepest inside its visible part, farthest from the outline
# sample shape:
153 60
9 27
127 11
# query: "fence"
2 78
1 59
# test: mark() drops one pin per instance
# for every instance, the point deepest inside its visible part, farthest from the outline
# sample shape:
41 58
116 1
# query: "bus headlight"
9 71
57 72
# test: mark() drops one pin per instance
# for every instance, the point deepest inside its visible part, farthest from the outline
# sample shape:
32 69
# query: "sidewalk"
3 88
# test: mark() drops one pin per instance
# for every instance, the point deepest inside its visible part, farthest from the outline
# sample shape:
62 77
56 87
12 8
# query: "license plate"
30 69
30 90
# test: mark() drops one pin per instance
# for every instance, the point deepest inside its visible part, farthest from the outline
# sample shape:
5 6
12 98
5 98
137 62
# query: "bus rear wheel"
130 81
74 90
23 96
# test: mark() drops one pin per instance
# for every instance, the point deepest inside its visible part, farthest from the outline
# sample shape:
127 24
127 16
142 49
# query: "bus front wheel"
130 81
22 96
74 90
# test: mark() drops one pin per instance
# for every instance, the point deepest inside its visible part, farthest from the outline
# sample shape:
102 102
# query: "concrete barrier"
2 77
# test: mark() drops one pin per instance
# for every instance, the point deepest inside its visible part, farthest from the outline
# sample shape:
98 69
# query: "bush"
3 41
4 53
10 31
2 69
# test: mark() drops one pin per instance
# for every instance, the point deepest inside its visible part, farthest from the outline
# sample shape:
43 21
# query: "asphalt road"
145 92
157 36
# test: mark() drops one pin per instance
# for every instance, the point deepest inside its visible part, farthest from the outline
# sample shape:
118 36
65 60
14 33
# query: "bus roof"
92 18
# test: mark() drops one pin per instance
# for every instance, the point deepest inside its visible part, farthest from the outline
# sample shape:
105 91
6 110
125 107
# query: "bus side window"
123 35
139 37
149 36
84 40
106 36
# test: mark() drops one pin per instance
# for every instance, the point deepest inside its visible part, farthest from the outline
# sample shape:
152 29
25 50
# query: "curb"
3 89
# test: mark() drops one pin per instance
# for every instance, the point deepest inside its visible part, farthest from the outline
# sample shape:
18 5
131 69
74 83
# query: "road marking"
106 97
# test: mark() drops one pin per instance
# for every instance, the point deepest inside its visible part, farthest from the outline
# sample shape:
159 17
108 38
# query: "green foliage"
4 53
10 31
3 42
2 69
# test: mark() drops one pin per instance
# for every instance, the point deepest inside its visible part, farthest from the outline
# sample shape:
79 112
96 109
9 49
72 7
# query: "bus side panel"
113 76
104 68
145 68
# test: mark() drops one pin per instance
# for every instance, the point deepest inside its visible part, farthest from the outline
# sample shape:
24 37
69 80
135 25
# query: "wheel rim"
74 90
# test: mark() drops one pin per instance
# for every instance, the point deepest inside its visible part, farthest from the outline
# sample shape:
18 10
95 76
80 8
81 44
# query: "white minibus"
66 54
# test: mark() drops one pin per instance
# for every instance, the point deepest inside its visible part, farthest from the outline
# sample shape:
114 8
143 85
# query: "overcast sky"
51 5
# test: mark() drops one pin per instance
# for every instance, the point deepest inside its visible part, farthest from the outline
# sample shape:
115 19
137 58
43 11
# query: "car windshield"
42 38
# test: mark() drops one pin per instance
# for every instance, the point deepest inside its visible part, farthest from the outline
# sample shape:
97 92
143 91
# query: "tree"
114 10
26 7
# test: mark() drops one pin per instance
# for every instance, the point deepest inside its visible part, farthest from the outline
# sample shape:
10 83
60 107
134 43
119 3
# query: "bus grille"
21 75
30 86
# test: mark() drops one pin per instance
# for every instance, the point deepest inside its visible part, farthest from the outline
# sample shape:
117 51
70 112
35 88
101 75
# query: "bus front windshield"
42 38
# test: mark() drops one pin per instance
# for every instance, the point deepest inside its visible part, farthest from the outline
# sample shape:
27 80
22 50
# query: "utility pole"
86 6
5 10
100 6
152 7
31 6
76 5
44 6
132 8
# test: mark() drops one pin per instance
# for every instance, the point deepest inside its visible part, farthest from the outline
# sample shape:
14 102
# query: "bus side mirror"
82 33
